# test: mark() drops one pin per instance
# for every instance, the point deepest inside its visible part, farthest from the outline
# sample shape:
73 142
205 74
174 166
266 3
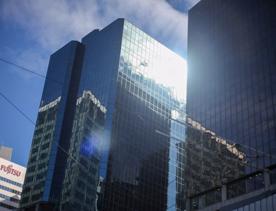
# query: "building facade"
122 126
11 181
5 152
232 80
79 189
48 155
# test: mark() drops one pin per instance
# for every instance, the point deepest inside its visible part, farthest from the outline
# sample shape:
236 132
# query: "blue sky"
31 30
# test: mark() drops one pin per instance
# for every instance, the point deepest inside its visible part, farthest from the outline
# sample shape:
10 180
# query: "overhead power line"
33 123
17 108
20 67
29 70
60 147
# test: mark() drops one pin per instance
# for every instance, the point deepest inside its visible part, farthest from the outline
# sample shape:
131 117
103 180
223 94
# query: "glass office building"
79 190
232 78
45 170
124 145
129 75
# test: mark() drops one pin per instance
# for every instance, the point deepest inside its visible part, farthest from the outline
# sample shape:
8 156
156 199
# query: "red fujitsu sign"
10 170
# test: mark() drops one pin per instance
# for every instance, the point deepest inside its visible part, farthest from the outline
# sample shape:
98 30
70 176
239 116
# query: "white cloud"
28 58
49 25
191 3
156 17
52 23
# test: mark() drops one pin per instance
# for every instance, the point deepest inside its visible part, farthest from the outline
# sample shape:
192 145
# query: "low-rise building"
11 180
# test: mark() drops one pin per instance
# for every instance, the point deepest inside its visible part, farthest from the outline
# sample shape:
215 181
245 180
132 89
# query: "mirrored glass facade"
45 170
79 189
126 133
143 149
232 82
130 73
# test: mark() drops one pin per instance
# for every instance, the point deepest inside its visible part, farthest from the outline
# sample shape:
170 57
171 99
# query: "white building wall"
12 178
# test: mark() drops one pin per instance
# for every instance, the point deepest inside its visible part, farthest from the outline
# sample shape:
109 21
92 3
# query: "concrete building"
12 177
5 152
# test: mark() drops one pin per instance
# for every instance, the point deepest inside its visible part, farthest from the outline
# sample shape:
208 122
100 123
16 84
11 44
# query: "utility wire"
29 70
69 155
43 76
61 148
21 67
16 108
33 123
